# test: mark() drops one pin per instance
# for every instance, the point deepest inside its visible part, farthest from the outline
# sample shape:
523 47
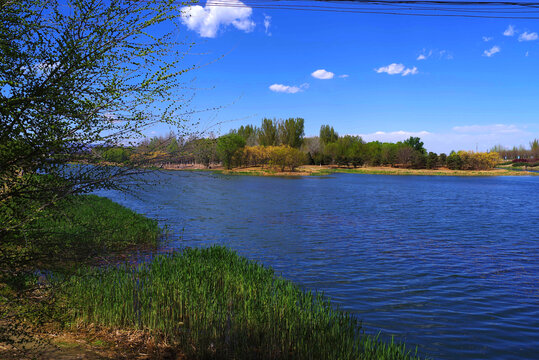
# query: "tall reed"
215 304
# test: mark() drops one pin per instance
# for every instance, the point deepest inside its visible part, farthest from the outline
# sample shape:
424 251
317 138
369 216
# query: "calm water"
449 264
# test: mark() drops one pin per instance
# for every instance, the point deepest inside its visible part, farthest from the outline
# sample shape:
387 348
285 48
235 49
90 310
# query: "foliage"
285 156
79 227
216 304
268 135
291 132
273 156
249 133
469 160
415 143
74 230
478 160
75 74
453 161
117 155
205 151
518 153
328 134
228 146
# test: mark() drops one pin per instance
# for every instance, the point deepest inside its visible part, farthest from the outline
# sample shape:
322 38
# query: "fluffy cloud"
344 76
288 89
394 69
411 71
487 38
488 53
267 24
488 129
421 57
462 137
510 31
322 74
525 36
207 21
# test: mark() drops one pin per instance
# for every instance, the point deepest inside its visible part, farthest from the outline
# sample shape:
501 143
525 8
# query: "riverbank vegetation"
280 146
213 303
201 303
76 230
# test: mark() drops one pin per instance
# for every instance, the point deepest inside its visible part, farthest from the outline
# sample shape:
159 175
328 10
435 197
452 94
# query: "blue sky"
457 83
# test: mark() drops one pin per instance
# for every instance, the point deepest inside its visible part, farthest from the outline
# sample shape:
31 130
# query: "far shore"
317 170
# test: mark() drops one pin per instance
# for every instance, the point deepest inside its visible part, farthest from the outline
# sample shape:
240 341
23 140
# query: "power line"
433 8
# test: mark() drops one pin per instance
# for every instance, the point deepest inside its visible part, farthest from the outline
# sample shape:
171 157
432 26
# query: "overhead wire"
469 9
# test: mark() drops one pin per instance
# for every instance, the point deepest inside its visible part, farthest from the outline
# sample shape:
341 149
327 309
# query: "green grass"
76 229
89 222
213 303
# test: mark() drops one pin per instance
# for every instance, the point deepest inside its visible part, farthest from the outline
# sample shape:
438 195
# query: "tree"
72 75
534 149
432 160
205 151
249 133
173 149
416 144
268 135
291 132
328 134
228 146
405 155
453 161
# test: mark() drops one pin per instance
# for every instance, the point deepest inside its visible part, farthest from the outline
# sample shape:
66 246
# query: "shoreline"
316 170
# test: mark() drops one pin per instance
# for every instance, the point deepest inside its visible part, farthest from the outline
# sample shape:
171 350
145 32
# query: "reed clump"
213 303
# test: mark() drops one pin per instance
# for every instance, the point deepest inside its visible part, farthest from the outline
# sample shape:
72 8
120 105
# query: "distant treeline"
519 152
282 144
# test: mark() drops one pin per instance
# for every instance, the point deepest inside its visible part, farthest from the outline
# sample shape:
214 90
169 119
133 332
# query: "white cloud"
462 137
322 74
393 136
424 54
488 53
394 69
344 76
267 24
442 54
207 21
288 89
525 36
527 53
487 38
391 69
489 129
510 31
412 71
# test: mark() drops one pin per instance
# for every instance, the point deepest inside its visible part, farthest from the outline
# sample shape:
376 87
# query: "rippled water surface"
449 264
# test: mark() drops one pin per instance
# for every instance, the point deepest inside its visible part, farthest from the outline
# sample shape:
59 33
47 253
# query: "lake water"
450 264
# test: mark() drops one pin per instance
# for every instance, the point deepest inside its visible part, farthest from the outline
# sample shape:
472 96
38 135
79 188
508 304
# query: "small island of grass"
279 148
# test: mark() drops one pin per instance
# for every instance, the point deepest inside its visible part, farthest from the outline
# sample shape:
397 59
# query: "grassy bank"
213 303
198 303
314 170
81 227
